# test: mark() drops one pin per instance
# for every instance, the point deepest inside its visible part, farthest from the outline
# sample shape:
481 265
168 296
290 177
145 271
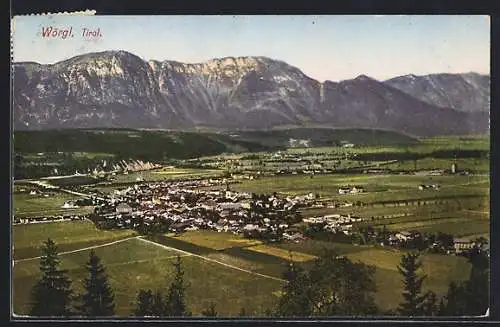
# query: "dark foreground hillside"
158 145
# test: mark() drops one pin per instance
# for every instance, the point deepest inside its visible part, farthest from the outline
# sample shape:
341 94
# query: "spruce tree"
210 312
478 284
470 298
441 308
341 287
144 303
98 298
430 306
456 300
295 299
242 313
413 299
51 295
333 286
159 308
176 303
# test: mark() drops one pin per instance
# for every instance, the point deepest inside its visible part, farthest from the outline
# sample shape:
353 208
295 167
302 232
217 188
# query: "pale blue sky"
323 47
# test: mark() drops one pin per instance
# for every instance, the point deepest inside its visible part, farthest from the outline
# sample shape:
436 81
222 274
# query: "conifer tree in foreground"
295 300
159 308
144 303
470 297
51 295
342 287
333 286
176 302
210 312
430 306
98 298
242 313
413 300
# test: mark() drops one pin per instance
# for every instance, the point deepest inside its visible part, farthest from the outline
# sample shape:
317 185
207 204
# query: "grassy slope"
440 269
133 265
68 236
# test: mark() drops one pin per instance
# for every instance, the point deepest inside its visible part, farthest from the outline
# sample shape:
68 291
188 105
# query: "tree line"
338 286
408 156
332 286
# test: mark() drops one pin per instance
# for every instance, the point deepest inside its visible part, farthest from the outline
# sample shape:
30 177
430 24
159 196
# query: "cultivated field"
280 253
459 207
69 236
215 240
26 205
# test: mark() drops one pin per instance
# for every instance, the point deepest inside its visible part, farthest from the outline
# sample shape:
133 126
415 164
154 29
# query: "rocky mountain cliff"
468 92
119 89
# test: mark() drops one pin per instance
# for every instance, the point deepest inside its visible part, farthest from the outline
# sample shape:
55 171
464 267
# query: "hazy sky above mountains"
323 47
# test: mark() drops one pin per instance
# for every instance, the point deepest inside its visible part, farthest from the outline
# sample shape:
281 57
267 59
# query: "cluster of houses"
70 204
346 144
303 171
35 192
295 143
462 245
134 166
334 223
45 219
182 206
427 187
456 245
351 190
123 166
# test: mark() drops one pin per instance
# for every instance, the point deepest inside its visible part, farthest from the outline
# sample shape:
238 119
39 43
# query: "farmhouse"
357 189
353 190
229 206
69 204
344 190
123 208
403 236
346 144
296 237
462 244
425 187
180 226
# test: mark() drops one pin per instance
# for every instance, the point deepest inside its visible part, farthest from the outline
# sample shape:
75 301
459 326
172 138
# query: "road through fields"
185 253
83 249
211 260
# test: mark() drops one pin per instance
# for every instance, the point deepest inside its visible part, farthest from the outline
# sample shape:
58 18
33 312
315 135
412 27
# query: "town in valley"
242 166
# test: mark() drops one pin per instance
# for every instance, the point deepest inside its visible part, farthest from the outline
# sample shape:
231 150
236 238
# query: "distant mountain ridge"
119 89
468 92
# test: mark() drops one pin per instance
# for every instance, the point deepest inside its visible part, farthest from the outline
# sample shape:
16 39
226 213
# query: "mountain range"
119 89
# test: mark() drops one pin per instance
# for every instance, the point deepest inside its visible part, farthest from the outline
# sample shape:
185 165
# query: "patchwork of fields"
134 264
250 272
459 207
234 272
